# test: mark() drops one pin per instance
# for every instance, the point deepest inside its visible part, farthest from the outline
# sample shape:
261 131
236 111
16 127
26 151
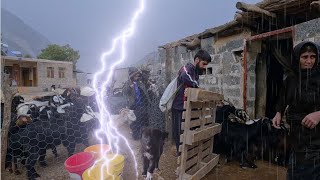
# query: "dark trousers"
176 126
142 120
302 171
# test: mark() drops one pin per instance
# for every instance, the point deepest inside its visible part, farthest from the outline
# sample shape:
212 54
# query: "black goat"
152 142
246 142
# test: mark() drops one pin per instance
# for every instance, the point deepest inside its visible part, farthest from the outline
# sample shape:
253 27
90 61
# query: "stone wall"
224 74
253 49
45 82
308 31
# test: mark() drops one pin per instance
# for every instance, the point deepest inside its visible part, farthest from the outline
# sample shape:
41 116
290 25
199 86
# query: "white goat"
22 109
125 116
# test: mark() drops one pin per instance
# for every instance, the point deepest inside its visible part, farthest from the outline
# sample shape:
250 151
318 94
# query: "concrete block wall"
307 31
251 83
172 59
227 67
224 74
44 82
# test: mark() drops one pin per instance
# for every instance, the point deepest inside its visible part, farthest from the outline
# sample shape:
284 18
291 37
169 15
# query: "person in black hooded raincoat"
301 93
138 100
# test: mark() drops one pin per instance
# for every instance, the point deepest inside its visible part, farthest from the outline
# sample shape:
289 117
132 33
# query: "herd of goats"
49 121
71 118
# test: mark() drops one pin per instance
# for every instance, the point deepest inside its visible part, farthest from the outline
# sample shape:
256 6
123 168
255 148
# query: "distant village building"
37 74
120 77
83 78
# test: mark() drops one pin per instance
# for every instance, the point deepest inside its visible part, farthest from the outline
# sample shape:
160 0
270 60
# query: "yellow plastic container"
95 173
117 163
96 149
100 169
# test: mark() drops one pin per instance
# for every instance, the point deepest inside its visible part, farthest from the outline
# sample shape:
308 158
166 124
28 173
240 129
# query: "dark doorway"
273 64
278 52
25 77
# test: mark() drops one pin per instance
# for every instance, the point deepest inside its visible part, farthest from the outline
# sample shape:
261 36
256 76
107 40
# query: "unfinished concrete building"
251 54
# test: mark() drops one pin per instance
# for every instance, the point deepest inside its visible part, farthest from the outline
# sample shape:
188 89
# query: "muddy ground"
168 165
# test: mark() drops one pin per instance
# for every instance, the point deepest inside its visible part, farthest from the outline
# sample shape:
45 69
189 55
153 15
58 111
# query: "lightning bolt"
185 69
107 128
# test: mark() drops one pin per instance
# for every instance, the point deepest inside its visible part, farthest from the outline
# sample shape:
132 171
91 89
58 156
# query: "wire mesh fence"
48 129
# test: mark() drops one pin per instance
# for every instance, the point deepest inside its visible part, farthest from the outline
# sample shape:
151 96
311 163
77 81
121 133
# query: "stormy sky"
89 26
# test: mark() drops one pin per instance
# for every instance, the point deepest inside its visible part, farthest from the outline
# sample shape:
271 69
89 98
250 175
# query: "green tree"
27 56
60 53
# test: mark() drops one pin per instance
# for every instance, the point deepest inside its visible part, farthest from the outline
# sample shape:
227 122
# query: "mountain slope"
20 36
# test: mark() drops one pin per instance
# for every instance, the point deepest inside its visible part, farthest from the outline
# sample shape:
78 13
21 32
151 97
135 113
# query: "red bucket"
78 163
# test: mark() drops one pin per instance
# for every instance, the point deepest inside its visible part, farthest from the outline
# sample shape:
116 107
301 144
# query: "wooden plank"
207 112
188 138
208 120
201 142
182 137
189 147
207 144
209 131
193 152
186 176
210 104
184 150
213 121
206 168
197 122
194 114
192 146
183 115
193 123
193 170
197 105
196 144
191 162
205 153
210 157
180 148
254 8
203 95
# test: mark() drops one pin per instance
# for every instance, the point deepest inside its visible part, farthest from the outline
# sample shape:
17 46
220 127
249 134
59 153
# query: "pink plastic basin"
78 163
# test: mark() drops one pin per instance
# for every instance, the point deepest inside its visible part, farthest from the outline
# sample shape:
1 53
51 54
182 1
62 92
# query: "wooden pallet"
198 129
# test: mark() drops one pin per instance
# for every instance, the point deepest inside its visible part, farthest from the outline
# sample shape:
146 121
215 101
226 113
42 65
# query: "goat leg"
145 165
247 162
42 160
31 161
152 165
157 163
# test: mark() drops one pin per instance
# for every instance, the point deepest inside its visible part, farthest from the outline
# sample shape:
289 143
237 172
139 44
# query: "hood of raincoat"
305 73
